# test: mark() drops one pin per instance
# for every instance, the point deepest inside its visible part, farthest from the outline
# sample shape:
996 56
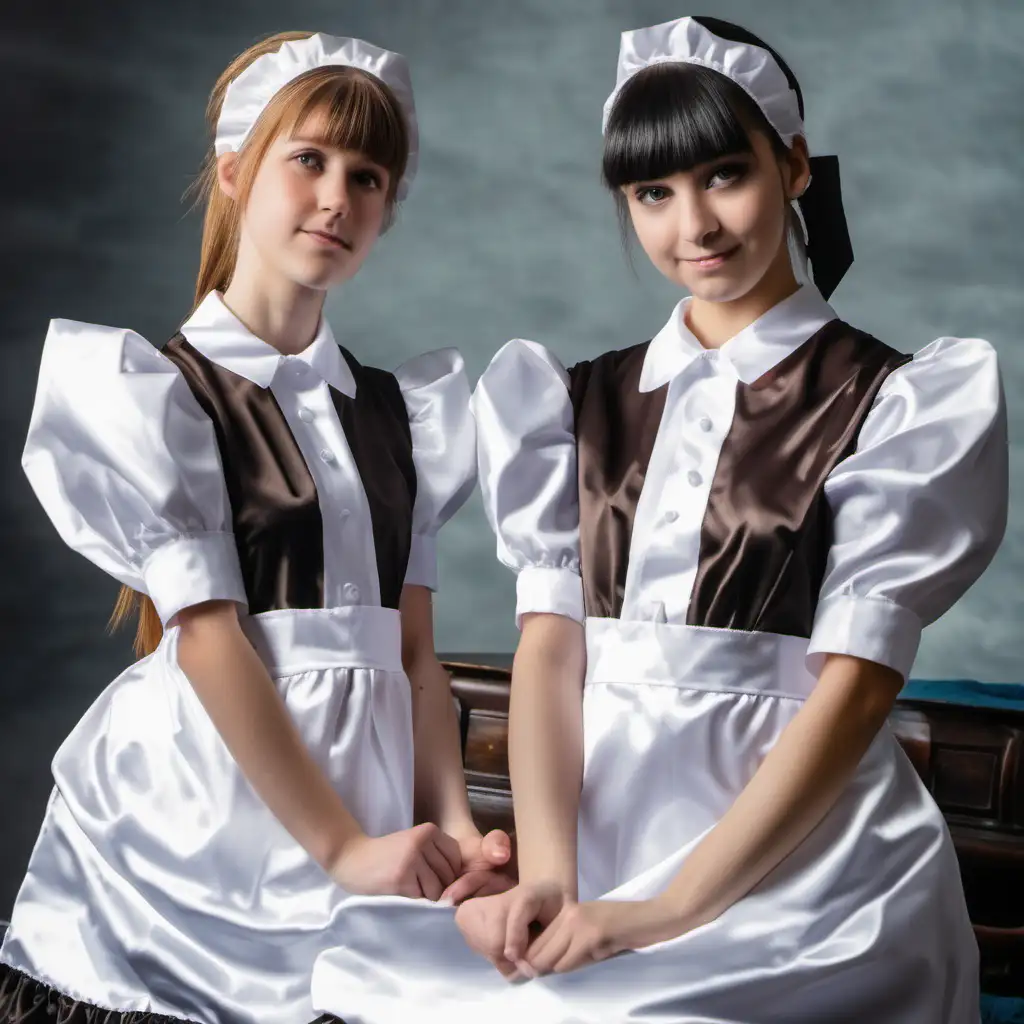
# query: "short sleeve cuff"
552 591
871 628
422 568
190 570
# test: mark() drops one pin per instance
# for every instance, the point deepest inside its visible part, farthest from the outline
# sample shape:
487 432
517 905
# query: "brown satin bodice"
276 515
766 530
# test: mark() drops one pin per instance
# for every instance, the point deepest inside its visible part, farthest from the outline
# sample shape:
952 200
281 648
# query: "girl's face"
719 229
314 211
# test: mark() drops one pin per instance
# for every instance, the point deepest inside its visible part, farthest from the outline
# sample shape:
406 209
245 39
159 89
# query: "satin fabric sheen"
865 921
876 884
160 882
159 868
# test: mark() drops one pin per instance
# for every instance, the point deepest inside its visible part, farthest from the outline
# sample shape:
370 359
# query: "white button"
351 591
671 517
705 423
694 477
327 455
306 415
344 513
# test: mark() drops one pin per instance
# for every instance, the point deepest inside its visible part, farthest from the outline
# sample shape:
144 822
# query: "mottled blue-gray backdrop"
507 233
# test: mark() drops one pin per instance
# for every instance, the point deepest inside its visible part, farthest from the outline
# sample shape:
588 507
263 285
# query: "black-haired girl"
727 541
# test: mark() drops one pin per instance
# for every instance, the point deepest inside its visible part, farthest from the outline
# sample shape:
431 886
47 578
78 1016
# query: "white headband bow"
248 95
686 41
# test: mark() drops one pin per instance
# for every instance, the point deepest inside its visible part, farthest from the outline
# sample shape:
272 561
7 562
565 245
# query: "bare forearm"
546 747
791 792
235 689
440 790
440 783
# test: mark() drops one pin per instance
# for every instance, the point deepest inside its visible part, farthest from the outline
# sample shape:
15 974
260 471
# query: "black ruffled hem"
24 1000
328 1019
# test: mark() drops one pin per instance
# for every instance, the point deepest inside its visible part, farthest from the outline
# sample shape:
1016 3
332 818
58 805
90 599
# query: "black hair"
673 116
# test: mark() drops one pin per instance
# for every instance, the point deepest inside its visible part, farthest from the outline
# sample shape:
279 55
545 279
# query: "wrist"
548 867
551 880
460 828
336 847
678 912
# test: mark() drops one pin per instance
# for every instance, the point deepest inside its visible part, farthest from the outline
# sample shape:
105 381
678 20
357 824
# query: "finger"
549 948
508 971
494 884
577 955
449 849
429 883
466 887
496 847
439 864
517 927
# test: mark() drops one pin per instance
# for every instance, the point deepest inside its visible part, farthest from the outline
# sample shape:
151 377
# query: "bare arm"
546 747
440 791
794 788
235 689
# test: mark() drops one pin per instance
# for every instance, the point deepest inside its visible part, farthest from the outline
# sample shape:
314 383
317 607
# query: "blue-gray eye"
651 194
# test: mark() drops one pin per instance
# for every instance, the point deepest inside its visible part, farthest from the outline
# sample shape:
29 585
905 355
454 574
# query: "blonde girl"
270 505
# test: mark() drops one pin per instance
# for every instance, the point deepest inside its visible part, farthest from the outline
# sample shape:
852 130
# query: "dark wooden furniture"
971 759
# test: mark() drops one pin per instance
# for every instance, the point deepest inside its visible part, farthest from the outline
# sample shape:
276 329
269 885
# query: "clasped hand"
426 862
539 929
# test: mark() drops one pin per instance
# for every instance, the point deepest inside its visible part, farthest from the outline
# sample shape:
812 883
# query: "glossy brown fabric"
274 507
767 529
616 425
276 515
376 425
24 1000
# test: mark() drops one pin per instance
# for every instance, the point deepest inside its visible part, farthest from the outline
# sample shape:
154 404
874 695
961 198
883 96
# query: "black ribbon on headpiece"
828 238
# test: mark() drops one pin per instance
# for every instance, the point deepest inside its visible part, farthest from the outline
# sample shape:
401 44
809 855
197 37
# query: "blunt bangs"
673 117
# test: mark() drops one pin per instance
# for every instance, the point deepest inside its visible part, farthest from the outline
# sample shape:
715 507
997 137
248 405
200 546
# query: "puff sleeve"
126 466
436 394
920 507
527 467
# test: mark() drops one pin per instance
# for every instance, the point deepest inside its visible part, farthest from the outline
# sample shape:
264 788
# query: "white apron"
865 921
306 490
676 720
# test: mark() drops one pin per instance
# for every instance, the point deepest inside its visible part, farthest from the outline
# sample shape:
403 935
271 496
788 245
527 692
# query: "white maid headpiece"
248 94
757 72
687 41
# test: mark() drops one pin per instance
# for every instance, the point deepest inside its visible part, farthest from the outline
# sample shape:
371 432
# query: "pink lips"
331 241
715 260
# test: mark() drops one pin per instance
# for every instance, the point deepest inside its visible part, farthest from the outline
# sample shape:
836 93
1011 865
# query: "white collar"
220 336
752 352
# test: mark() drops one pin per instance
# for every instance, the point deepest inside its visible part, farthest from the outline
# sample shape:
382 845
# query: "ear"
227 169
797 166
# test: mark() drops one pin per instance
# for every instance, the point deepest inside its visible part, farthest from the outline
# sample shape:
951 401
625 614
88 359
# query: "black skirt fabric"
24 1000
